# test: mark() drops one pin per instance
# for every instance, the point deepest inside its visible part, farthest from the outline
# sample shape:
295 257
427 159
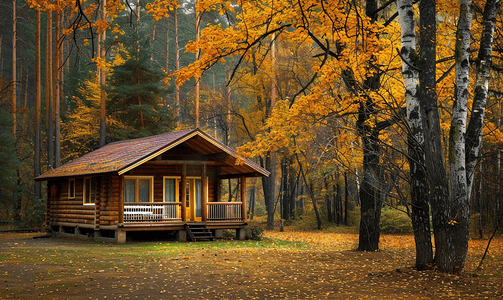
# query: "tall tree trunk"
14 69
38 103
1 57
177 67
198 53
370 199
229 106
419 184
439 186
335 193
103 96
473 142
268 187
328 201
56 90
48 94
338 203
346 198
477 199
251 207
310 191
272 155
166 64
484 62
460 203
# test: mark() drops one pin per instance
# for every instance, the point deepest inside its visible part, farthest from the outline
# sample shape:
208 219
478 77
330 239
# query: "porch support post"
184 193
121 199
243 198
218 185
204 194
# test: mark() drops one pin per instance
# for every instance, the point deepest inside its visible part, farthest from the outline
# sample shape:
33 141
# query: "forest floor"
285 265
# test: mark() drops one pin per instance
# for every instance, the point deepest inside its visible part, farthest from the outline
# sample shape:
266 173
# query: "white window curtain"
169 189
129 190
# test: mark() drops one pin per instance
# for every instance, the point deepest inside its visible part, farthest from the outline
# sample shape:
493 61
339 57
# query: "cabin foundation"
181 236
120 237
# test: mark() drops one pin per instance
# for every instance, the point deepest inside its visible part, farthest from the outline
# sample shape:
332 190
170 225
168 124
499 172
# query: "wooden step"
198 231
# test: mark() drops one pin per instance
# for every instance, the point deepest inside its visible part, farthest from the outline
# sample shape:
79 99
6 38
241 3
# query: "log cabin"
167 184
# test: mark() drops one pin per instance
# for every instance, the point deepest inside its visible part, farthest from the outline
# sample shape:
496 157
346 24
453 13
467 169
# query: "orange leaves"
101 25
161 8
219 5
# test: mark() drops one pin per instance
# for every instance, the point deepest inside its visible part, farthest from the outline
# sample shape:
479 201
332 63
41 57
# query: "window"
71 188
138 189
90 190
170 190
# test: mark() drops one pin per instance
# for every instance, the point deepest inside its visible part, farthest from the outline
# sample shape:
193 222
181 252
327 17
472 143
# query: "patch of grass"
394 221
341 229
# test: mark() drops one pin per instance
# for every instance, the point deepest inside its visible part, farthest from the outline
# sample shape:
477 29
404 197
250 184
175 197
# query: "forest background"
354 106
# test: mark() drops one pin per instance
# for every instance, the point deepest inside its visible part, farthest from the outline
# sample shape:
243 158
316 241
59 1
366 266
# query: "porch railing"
151 212
224 211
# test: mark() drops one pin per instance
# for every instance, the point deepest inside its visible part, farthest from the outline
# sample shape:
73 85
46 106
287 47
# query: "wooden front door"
193 201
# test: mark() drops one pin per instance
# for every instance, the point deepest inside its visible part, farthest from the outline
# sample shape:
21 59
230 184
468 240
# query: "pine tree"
135 92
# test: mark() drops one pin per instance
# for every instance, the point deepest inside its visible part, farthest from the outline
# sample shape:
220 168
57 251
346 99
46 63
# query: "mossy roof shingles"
118 156
115 156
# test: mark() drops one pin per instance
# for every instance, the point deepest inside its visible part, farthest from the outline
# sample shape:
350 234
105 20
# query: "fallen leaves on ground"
282 266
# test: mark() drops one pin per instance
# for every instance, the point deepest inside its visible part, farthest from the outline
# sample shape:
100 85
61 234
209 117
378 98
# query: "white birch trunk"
409 72
419 185
459 189
474 131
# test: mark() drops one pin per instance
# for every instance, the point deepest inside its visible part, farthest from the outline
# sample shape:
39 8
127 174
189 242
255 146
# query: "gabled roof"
120 157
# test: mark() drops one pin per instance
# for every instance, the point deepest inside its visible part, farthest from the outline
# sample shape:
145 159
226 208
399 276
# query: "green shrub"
260 210
229 234
394 221
254 233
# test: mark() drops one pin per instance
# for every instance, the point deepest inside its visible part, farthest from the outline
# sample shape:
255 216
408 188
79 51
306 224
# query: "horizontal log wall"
109 207
61 209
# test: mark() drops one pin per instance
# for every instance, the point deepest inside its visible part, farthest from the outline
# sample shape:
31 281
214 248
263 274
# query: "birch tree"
460 204
450 202
420 214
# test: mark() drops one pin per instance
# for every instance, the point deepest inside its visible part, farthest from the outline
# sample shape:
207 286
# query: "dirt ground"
57 268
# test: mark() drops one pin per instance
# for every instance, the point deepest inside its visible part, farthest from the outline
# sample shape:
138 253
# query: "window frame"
71 188
137 190
87 190
177 190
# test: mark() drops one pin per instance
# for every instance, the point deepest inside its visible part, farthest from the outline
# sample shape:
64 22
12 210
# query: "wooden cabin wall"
69 212
62 211
107 211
